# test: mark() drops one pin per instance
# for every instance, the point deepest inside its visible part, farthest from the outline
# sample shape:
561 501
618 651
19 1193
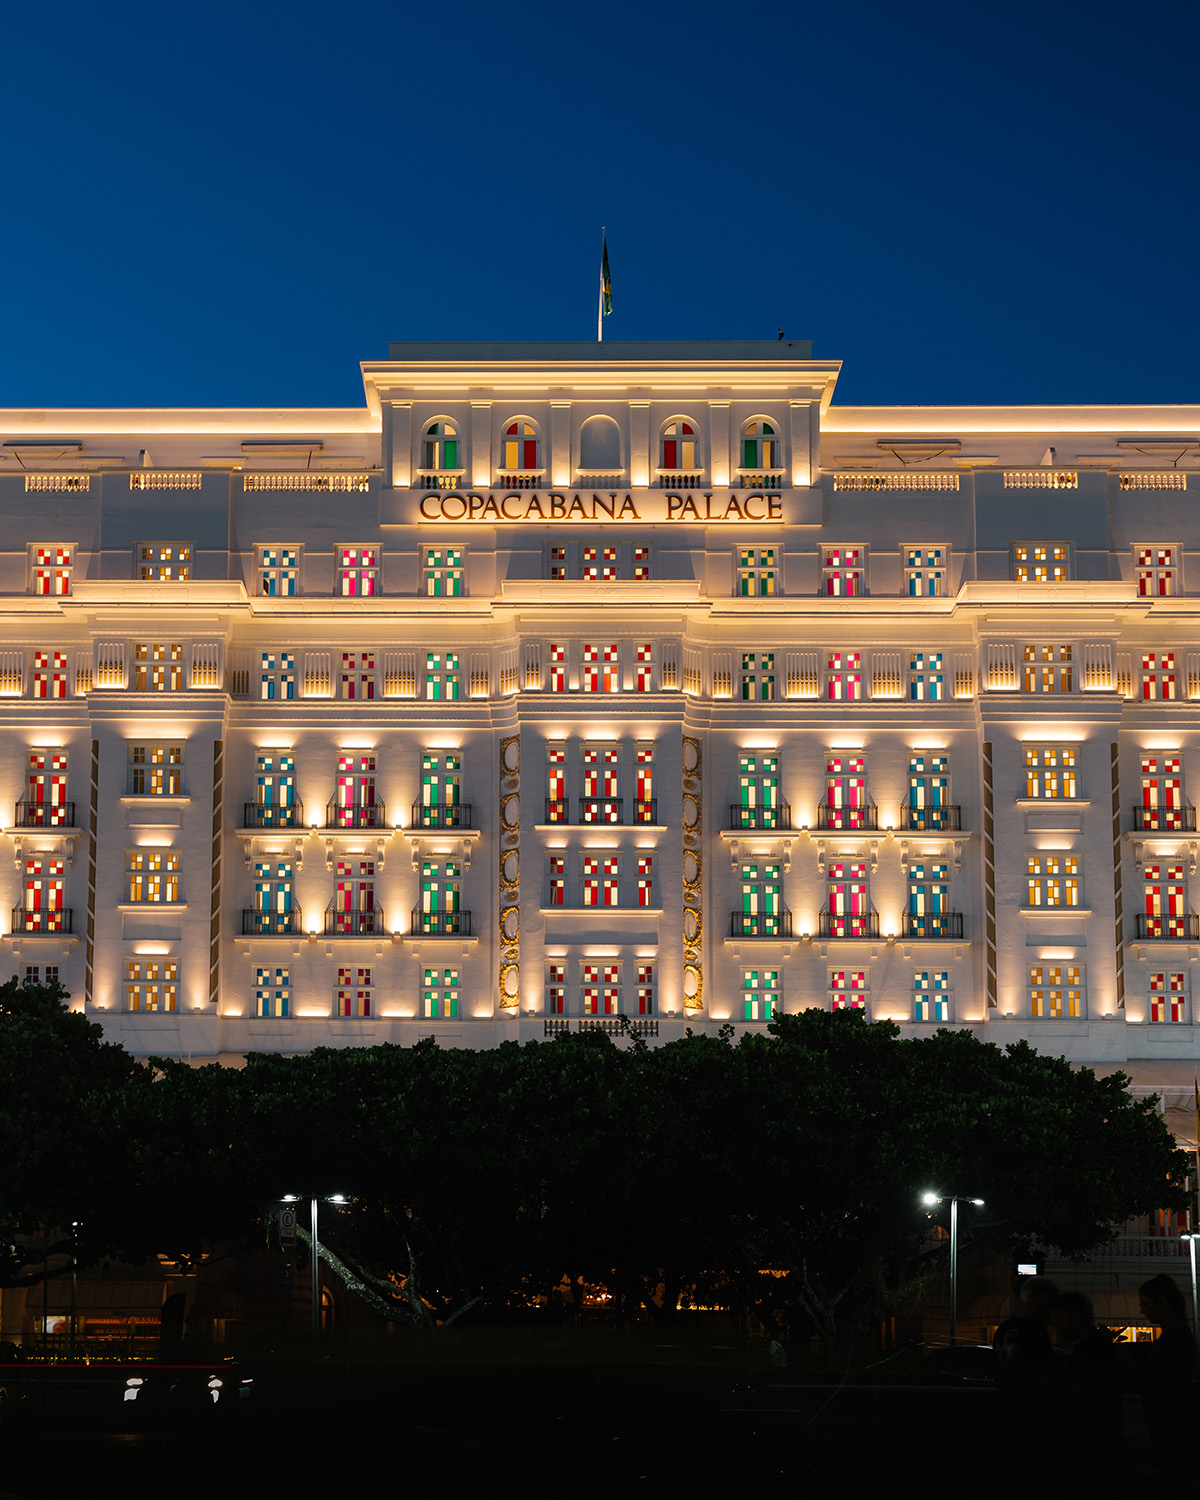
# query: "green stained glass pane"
749 453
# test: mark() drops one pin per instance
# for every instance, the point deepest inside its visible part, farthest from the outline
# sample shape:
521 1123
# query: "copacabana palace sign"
645 507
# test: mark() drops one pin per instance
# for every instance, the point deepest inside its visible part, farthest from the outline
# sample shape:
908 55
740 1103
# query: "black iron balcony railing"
1164 819
42 921
440 924
764 818
355 815
646 811
946 819
272 815
834 925
776 924
45 815
441 815
848 818
946 924
601 810
1185 928
353 923
271 923
558 810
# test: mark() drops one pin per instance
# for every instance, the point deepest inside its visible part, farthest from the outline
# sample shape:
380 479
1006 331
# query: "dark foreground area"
583 1423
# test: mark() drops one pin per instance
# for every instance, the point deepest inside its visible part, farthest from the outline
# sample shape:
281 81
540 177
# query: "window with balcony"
151 984
358 676
441 804
1168 995
758 572
762 453
1164 899
849 988
49 679
273 993
929 809
645 807
600 988
1056 991
1050 772
355 804
45 804
356 571
441 913
600 884
443 572
279 571
354 992
601 802
43 907
164 562
1048 669
352 913
51 568
758 676
1053 881
762 994
926 571
926 677
1041 562
274 804
1159 681
847 803
277 676
759 804
441 447
848 911
158 666
601 667
762 913
439 993
929 914
679 448
274 910
1157 571
931 995
522 447
555 989
843 571
155 769
1162 808
151 877
843 676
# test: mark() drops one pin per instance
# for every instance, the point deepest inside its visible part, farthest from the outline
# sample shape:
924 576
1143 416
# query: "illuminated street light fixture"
1191 1239
316 1259
931 1200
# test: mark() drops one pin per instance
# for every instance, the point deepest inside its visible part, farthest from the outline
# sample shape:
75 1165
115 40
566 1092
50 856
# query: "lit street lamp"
1191 1239
931 1200
316 1262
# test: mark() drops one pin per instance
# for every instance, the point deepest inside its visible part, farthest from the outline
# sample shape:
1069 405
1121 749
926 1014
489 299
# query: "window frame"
357 572
750 568
917 572
1023 555
152 868
173 766
1148 567
1036 782
1056 998
147 991
842 564
175 568
435 573
55 569
272 998
278 571
1064 882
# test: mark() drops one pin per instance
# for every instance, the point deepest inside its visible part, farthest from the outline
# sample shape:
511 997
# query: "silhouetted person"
1091 1380
1025 1367
1167 1366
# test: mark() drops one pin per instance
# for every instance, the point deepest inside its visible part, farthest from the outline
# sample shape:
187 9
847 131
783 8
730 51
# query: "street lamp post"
315 1262
931 1200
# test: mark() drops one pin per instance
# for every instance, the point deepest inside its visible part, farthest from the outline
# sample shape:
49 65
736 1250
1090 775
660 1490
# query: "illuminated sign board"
641 507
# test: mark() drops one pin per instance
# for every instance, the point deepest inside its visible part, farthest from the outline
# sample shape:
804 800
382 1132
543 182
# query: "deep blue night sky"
234 204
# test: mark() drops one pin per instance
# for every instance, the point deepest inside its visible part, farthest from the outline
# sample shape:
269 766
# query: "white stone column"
639 444
560 443
802 455
397 439
481 444
718 442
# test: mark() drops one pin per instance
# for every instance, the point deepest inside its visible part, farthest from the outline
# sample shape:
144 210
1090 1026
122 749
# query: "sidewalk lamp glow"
315 1256
931 1200
1191 1242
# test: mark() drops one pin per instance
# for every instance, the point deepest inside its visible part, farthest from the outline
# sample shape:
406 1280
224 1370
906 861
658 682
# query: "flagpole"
600 301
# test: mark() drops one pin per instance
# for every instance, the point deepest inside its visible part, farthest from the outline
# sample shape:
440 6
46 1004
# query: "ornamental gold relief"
510 755
691 756
510 872
510 869
693 876
510 924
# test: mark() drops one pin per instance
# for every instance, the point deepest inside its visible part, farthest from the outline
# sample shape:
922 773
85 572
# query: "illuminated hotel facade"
561 684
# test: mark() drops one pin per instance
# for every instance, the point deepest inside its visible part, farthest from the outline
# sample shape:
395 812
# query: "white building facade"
561 684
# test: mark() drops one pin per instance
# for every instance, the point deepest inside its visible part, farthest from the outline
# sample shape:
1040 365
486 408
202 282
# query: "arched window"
600 445
760 445
679 446
440 446
521 445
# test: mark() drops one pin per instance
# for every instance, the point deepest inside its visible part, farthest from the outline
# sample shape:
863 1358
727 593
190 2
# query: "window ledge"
1055 911
599 828
1057 804
600 911
150 799
520 473
128 906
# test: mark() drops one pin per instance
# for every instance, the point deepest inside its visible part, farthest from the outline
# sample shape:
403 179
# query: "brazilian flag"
605 279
